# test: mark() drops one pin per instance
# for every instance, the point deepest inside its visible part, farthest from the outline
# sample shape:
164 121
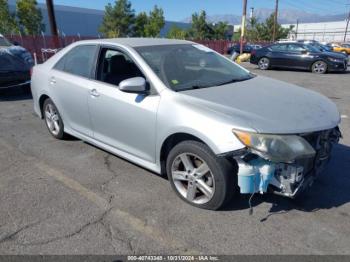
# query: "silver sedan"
180 109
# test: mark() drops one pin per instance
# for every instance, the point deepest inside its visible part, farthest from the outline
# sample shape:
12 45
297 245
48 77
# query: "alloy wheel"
320 67
52 119
264 63
193 178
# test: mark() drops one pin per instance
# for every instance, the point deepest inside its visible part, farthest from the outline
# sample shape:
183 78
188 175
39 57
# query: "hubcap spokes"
193 178
52 119
263 63
319 68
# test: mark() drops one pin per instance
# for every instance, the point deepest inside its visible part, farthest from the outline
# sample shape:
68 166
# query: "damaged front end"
283 164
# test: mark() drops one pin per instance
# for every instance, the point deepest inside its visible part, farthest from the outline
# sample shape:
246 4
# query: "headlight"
336 60
276 148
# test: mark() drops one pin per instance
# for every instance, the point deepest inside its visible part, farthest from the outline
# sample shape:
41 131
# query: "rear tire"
53 119
199 177
319 67
264 63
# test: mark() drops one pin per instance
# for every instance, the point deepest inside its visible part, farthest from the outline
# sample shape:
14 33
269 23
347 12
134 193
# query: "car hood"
335 55
267 106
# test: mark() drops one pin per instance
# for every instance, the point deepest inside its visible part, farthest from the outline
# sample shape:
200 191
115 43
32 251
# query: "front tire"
264 63
319 67
199 177
53 119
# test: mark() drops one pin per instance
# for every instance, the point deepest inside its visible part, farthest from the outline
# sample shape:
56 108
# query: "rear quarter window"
78 61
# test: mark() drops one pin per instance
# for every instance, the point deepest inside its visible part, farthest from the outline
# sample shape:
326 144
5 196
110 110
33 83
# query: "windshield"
4 41
187 66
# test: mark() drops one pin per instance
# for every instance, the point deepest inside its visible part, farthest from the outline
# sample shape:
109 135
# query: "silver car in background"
181 109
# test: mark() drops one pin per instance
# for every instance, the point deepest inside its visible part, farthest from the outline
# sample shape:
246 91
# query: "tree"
140 23
155 22
8 23
266 29
118 19
263 31
200 29
176 33
219 30
30 17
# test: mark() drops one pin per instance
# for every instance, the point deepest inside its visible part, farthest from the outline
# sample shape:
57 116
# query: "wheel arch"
41 101
171 141
317 60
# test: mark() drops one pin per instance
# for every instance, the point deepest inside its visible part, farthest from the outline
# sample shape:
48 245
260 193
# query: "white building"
322 31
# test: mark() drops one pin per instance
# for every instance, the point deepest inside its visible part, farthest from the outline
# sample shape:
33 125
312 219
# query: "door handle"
94 93
52 81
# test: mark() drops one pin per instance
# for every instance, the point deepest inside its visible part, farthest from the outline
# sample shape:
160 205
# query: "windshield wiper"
234 80
193 87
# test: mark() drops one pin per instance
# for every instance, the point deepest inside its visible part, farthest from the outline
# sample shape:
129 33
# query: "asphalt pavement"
69 197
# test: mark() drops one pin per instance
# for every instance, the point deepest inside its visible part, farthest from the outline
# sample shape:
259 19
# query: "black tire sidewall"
60 134
222 171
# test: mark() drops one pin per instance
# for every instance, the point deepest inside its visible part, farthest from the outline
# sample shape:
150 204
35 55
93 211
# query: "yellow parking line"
73 184
117 214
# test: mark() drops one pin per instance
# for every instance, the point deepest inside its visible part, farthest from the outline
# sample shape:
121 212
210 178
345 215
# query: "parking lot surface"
69 197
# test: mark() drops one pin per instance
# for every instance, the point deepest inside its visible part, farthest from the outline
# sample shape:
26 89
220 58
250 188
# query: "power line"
305 6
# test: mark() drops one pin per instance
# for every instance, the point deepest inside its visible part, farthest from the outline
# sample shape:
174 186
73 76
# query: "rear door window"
279 48
295 48
79 61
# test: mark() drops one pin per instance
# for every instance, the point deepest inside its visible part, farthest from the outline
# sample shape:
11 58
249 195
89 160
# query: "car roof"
288 42
136 42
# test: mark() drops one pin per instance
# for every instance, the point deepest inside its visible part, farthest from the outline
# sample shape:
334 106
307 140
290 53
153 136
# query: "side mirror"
304 51
15 43
133 85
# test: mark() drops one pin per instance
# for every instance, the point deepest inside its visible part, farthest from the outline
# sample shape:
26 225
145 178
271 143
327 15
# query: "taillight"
31 71
253 52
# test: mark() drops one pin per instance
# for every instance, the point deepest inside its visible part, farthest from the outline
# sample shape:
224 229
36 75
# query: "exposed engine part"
287 179
255 174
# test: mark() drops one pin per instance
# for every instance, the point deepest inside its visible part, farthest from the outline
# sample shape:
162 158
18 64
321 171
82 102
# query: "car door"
125 121
70 82
298 56
277 55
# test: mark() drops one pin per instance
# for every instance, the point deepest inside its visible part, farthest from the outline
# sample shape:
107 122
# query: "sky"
177 10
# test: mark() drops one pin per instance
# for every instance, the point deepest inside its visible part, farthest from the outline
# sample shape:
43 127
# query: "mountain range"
285 16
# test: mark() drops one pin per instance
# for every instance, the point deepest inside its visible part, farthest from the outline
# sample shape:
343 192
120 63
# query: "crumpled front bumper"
256 174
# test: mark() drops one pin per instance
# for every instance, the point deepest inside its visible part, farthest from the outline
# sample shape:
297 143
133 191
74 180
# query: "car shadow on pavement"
15 94
306 71
330 190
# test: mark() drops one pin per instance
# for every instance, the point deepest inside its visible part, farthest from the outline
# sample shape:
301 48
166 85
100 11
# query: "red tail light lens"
31 71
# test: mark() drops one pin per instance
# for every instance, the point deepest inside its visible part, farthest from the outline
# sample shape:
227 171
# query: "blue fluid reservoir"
255 175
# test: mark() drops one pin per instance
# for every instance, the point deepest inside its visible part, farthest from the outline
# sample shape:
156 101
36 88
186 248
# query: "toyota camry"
180 109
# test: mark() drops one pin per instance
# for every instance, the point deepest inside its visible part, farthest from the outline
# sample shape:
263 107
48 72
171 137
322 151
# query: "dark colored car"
321 47
15 64
247 48
298 56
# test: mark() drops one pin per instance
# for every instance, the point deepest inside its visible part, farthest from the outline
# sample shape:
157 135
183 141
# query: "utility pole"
296 30
275 22
347 26
244 13
52 21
